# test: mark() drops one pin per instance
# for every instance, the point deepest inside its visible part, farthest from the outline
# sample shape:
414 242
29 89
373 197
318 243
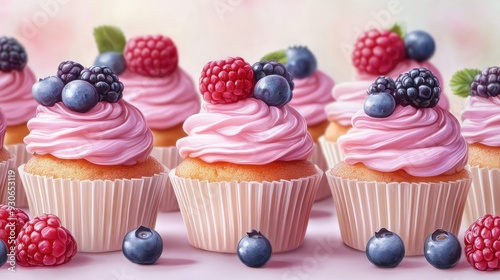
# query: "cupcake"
392 54
16 80
162 90
402 168
312 90
245 162
7 161
480 129
91 163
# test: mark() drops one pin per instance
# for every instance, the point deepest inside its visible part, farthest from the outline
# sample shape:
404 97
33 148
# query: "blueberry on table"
442 249
3 253
385 249
142 245
254 249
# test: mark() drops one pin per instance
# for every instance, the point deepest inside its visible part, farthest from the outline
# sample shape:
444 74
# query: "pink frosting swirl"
108 134
165 102
481 121
3 127
310 96
349 98
16 99
246 132
422 142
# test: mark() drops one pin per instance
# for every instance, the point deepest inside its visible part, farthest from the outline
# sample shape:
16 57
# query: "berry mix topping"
12 55
79 88
385 249
254 249
474 82
442 249
482 243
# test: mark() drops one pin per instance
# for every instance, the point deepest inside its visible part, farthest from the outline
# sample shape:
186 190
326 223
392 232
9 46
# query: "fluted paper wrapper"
484 194
170 157
331 151
318 158
22 156
411 210
5 166
218 214
97 213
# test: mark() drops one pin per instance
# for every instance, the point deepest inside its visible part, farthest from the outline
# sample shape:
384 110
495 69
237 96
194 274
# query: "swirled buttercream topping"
481 121
16 99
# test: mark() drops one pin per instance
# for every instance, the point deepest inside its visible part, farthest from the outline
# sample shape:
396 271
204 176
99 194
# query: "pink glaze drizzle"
481 121
16 99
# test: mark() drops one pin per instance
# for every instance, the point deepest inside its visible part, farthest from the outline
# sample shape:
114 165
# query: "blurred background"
465 32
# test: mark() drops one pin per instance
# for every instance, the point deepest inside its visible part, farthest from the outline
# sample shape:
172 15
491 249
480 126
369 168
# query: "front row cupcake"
91 164
245 163
403 166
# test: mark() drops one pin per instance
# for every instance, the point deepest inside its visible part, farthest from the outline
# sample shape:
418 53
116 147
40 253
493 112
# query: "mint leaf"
398 29
460 81
109 38
279 56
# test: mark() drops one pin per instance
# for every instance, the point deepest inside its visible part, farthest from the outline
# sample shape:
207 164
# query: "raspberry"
378 52
226 81
18 219
105 81
44 242
487 83
12 55
265 68
482 243
419 88
383 84
154 56
69 71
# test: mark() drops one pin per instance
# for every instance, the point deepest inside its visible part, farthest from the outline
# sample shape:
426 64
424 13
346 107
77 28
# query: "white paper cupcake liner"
218 214
318 158
411 210
6 181
484 194
97 213
331 152
22 156
170 157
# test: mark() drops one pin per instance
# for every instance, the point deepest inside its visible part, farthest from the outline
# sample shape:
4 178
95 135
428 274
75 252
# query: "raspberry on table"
106 82
226 81
266 68
378 52
419 88
154 56
17 218
482 243
487 83
383 84
69 71
44 242
12 55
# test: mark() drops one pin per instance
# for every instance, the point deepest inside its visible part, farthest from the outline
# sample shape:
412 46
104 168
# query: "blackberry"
105 81
69 71
383 84
419 88
266 68
12 55
487 83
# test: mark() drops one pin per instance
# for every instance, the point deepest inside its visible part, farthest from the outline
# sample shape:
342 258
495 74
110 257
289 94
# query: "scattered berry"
11 217
79 96
383 84
154 56
385 249
419 88
44 242
274 90
69 71
482 243
487 83
378 52
113 60
12 55
105 81
379 105
254 249
442 249
226 81
419 45
142 245
3 253
48 91
301 62
265 68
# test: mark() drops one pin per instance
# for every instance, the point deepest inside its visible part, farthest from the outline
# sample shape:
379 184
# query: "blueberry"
142 245
301 62
419 45
379 105
385 249
48 91
442 249
3 252
113 60
274 90
254 249
79 96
